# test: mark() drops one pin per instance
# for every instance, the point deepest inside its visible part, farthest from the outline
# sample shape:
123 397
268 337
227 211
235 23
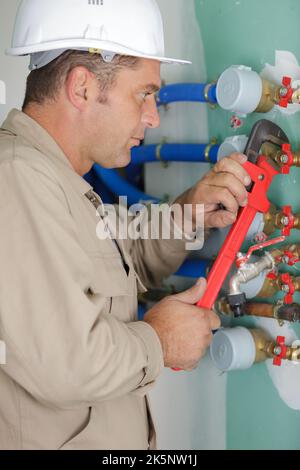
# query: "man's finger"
218 195
192 295
220 219
233 165
230 182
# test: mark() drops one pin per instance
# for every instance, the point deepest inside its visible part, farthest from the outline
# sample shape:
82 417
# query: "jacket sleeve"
60 348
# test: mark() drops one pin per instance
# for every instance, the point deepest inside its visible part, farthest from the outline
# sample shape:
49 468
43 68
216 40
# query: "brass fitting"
266 348
263 345
270 221
280 251
272 286
296 96
222 307
269 97
272 95
297 159
276 220
278 156
280 159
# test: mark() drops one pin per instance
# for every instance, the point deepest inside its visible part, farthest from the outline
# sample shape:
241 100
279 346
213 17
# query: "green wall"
248 32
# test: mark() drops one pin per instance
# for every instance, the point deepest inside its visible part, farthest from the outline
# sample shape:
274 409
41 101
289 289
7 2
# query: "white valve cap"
232 145
233 349
239 90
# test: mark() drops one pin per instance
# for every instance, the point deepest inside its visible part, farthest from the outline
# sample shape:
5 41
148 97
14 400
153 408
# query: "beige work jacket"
78 363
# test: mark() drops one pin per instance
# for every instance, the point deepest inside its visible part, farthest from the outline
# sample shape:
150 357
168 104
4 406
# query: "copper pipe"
260 310
290 313
281 312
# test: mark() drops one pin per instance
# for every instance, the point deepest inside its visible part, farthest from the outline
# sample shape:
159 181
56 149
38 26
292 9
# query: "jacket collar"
20 124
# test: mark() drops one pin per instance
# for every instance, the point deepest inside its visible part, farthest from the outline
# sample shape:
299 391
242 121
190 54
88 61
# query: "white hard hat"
46 28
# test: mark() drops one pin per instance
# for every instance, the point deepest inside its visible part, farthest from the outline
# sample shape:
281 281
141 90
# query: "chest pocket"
111 282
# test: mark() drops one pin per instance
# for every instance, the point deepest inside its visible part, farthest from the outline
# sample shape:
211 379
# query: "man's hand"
185 331
225 184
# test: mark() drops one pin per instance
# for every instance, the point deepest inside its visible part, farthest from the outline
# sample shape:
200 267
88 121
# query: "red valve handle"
287 280
287 81
286 167
283 351
292 258
287 212
260 246
272 275
289 258
285 100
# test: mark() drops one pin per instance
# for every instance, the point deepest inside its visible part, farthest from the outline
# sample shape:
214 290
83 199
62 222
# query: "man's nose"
151 117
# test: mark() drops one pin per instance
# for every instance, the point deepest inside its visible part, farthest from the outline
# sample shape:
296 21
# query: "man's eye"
145 94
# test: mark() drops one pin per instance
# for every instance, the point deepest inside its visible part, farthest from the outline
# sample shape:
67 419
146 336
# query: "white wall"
189 407
13 70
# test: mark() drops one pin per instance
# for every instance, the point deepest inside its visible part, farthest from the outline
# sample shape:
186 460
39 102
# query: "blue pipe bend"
118 186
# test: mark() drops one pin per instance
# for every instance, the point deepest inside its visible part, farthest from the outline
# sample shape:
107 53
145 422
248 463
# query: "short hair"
45 83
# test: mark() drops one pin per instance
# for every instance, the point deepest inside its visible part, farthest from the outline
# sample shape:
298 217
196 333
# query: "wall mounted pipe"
201 153
118 186
279 311
290 313
194 268
199 92
239 89
193 153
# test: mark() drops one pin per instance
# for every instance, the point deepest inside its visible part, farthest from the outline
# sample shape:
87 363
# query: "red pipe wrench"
262 171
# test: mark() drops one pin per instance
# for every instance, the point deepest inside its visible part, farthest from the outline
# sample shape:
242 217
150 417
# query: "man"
79 365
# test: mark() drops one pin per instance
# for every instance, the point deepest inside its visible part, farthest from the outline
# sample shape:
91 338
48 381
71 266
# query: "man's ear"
78 87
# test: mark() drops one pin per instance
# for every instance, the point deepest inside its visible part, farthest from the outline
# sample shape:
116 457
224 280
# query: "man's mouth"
137 140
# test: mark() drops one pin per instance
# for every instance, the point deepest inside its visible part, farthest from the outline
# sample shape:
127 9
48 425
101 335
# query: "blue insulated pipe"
193 153
194 268
203 93
119 187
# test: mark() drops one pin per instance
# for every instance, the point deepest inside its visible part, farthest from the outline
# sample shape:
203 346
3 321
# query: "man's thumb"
194 294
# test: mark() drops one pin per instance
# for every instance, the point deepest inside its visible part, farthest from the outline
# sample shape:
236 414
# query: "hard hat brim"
85 45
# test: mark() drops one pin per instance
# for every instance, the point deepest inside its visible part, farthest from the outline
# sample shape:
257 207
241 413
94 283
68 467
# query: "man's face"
120 123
